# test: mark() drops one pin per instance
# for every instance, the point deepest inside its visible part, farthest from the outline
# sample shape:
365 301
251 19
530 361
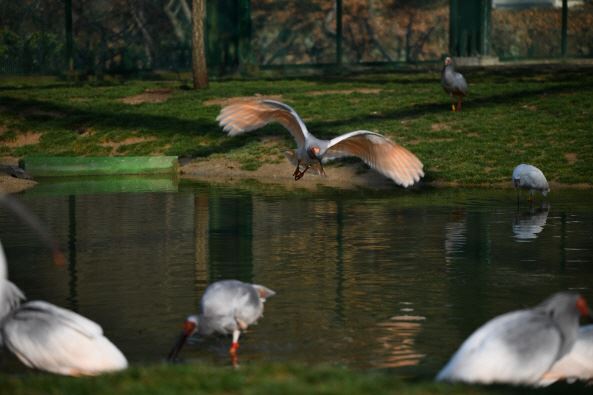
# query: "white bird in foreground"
50 338
531 178
47 337
521 346
377 151
578 363
227 307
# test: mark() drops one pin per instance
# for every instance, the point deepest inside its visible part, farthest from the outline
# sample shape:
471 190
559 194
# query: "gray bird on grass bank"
454 84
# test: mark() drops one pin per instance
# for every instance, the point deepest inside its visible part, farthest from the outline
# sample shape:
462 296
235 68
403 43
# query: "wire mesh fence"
129 36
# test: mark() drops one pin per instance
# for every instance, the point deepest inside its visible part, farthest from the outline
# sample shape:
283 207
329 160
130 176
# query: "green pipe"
51 166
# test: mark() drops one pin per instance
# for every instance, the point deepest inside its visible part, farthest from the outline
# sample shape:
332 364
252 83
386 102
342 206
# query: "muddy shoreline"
346 176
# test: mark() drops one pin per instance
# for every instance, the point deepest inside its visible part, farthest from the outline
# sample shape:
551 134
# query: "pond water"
393 279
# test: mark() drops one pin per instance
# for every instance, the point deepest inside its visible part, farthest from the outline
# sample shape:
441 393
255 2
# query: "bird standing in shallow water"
377 151
531 178
521 346
227 307
453 83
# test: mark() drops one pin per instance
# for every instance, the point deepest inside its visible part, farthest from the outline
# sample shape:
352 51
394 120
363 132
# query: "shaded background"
131 36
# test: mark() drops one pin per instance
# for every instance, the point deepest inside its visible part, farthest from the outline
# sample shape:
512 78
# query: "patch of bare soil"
570 157
9 184
366 91
114 145
436 127
229 100
341 176
149 96
23 139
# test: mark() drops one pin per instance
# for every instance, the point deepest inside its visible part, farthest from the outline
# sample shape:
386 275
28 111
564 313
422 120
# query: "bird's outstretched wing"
380 153
245 116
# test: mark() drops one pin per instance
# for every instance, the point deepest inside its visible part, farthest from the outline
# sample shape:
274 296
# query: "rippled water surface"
370 280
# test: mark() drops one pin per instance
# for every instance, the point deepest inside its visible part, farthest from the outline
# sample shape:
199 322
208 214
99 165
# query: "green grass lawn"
254 379
540 116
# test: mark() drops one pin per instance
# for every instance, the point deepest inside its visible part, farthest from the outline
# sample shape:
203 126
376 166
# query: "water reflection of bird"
578 363
47 337
455 235
399 339
377 151
453 83
531 178
520 346
227 307
528 225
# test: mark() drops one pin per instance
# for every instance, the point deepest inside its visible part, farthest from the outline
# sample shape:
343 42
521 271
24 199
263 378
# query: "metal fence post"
485 10
69 39
453 27
339 32
244 33
564 38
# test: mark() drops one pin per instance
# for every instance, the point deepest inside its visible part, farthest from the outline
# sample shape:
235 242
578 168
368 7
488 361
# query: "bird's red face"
448 61
189 327
583 307
313 152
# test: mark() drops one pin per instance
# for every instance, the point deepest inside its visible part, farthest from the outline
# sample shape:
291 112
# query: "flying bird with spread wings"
377 151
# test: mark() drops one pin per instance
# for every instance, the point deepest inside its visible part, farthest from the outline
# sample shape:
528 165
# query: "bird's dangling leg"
234 348
302 173
297 171
518 197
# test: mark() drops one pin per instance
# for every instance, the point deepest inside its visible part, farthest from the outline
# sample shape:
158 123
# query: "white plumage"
521 346
227 307
47 337
529 177
578 363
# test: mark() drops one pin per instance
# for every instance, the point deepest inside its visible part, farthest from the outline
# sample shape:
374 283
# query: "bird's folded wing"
10 297
245 116
390 159
56 317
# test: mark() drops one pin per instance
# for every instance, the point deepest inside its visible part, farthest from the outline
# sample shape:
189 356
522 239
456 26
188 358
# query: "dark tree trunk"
69 39
200 71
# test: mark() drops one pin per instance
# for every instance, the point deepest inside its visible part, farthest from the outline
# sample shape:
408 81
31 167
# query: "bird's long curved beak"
34 223
188 330
177 347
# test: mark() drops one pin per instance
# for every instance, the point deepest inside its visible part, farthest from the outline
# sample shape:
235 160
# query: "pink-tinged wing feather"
245 116
385 156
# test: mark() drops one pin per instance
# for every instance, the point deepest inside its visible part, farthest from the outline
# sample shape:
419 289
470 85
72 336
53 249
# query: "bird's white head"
448 61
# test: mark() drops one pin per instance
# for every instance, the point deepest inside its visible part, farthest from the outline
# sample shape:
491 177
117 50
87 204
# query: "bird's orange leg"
452 104
234 347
